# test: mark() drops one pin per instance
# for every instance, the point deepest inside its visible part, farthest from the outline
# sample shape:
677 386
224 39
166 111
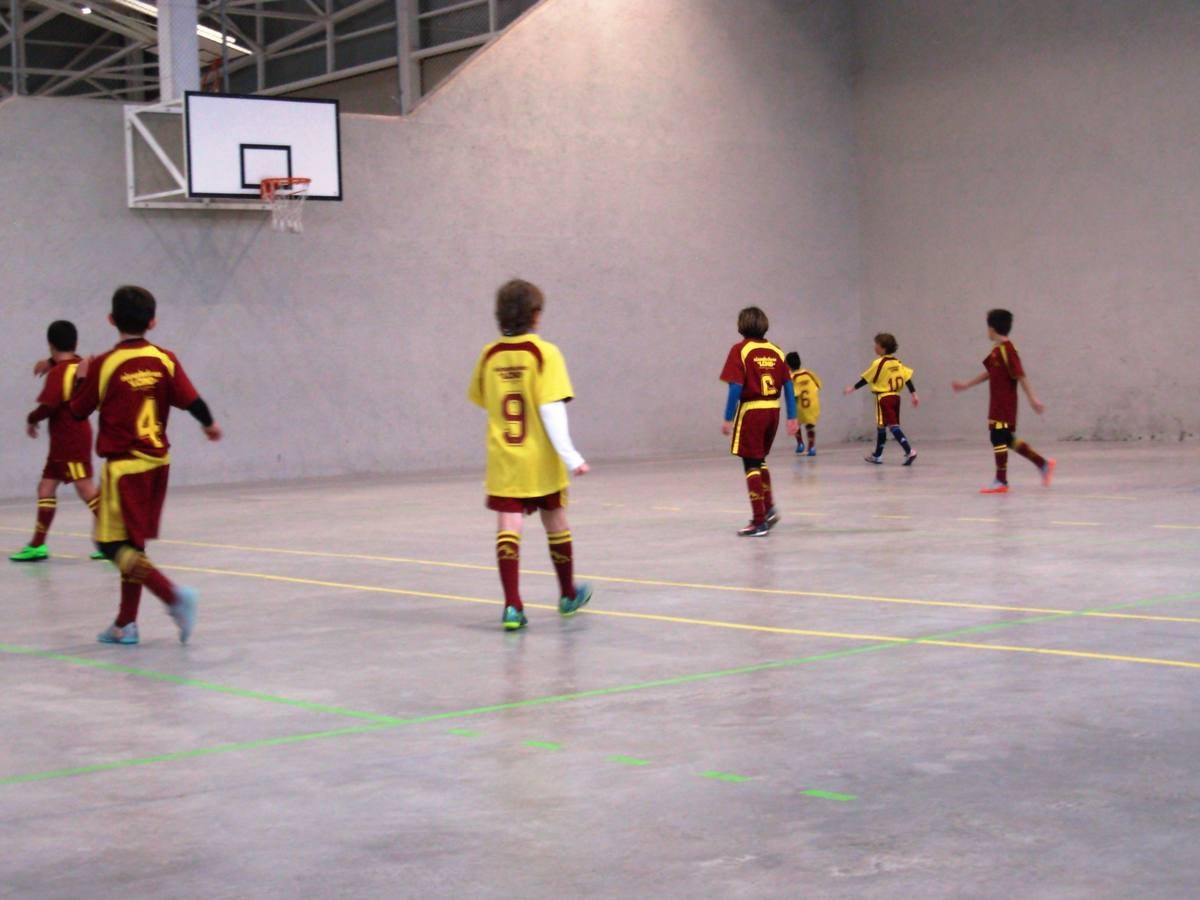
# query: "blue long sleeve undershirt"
735 395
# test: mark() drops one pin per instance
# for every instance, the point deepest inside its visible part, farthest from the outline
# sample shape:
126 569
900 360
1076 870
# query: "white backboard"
234 141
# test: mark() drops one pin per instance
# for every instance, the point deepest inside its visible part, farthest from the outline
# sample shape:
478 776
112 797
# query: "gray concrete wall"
1042 155
655 166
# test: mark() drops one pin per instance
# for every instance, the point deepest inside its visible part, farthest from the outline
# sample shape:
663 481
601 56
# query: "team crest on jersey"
510 373
142 379
764 362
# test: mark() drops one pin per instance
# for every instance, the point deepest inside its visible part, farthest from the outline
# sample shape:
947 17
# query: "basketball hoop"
286 196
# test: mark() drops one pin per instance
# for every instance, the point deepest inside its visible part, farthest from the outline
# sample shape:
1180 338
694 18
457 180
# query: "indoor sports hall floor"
908 689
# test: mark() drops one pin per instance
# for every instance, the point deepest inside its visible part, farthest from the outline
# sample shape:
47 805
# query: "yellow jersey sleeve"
553 382
873 371
475 388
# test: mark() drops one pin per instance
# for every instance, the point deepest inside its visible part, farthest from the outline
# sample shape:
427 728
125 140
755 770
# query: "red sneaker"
1048 471
996 487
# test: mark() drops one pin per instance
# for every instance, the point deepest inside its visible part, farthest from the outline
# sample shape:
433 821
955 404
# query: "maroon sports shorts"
527 505
67 470
138 507
887 410
754 432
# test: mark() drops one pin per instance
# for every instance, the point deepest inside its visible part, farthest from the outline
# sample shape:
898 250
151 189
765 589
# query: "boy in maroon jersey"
134 386
1003 372
69 459
757 375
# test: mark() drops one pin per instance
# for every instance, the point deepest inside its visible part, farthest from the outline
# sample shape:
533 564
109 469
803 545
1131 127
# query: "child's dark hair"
61 335
133 309
792 360
887 342
517 302
752 323
1000 321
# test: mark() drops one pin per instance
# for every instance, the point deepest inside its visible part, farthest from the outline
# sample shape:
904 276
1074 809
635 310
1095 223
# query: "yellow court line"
1182 527
709 623
690 585
882 516
667 508
1095 524
974 519
1081 654
1103 497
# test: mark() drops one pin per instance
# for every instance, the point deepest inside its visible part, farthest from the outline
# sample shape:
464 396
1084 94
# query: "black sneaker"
754 529
772 517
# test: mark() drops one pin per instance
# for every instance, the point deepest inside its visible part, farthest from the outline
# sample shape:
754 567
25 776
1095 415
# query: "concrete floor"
908 689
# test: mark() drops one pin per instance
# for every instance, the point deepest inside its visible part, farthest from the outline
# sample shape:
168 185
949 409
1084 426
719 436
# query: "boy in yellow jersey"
522 383
808 403
886 375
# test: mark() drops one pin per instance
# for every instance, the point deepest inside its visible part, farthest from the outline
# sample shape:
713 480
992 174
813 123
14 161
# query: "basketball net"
286 196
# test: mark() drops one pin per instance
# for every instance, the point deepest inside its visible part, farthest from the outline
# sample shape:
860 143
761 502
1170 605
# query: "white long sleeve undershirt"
554 420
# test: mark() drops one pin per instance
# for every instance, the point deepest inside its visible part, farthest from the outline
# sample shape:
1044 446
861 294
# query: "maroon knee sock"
508 559
562 556
131 598
46 508
1030 454
758 509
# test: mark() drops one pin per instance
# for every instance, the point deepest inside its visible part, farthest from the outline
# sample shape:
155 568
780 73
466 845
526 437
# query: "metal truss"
109 48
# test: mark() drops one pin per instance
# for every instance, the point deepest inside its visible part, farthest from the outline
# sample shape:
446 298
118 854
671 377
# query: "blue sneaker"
812 451
512 619
183 611
799 449
568 606
114 635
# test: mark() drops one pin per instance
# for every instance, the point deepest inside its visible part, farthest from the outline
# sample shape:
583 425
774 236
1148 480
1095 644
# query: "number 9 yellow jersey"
512 378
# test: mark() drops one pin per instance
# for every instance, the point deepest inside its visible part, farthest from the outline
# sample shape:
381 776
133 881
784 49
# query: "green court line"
628 760
543 745
197 683
463 732
390 722
186 754
829 795
725 776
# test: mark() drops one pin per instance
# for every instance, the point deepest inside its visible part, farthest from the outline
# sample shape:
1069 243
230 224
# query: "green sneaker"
96 554
31 554
568 606
513 619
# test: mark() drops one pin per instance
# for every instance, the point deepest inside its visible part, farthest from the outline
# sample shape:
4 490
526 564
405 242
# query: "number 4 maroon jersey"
134 385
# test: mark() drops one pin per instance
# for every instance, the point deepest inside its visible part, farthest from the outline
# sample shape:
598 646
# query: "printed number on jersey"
512 408
148 427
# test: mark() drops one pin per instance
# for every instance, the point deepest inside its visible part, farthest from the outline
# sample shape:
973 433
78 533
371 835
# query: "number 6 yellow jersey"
808 396
513 377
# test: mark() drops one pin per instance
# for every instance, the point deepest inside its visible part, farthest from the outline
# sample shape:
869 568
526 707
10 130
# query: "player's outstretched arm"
966 385
851 388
